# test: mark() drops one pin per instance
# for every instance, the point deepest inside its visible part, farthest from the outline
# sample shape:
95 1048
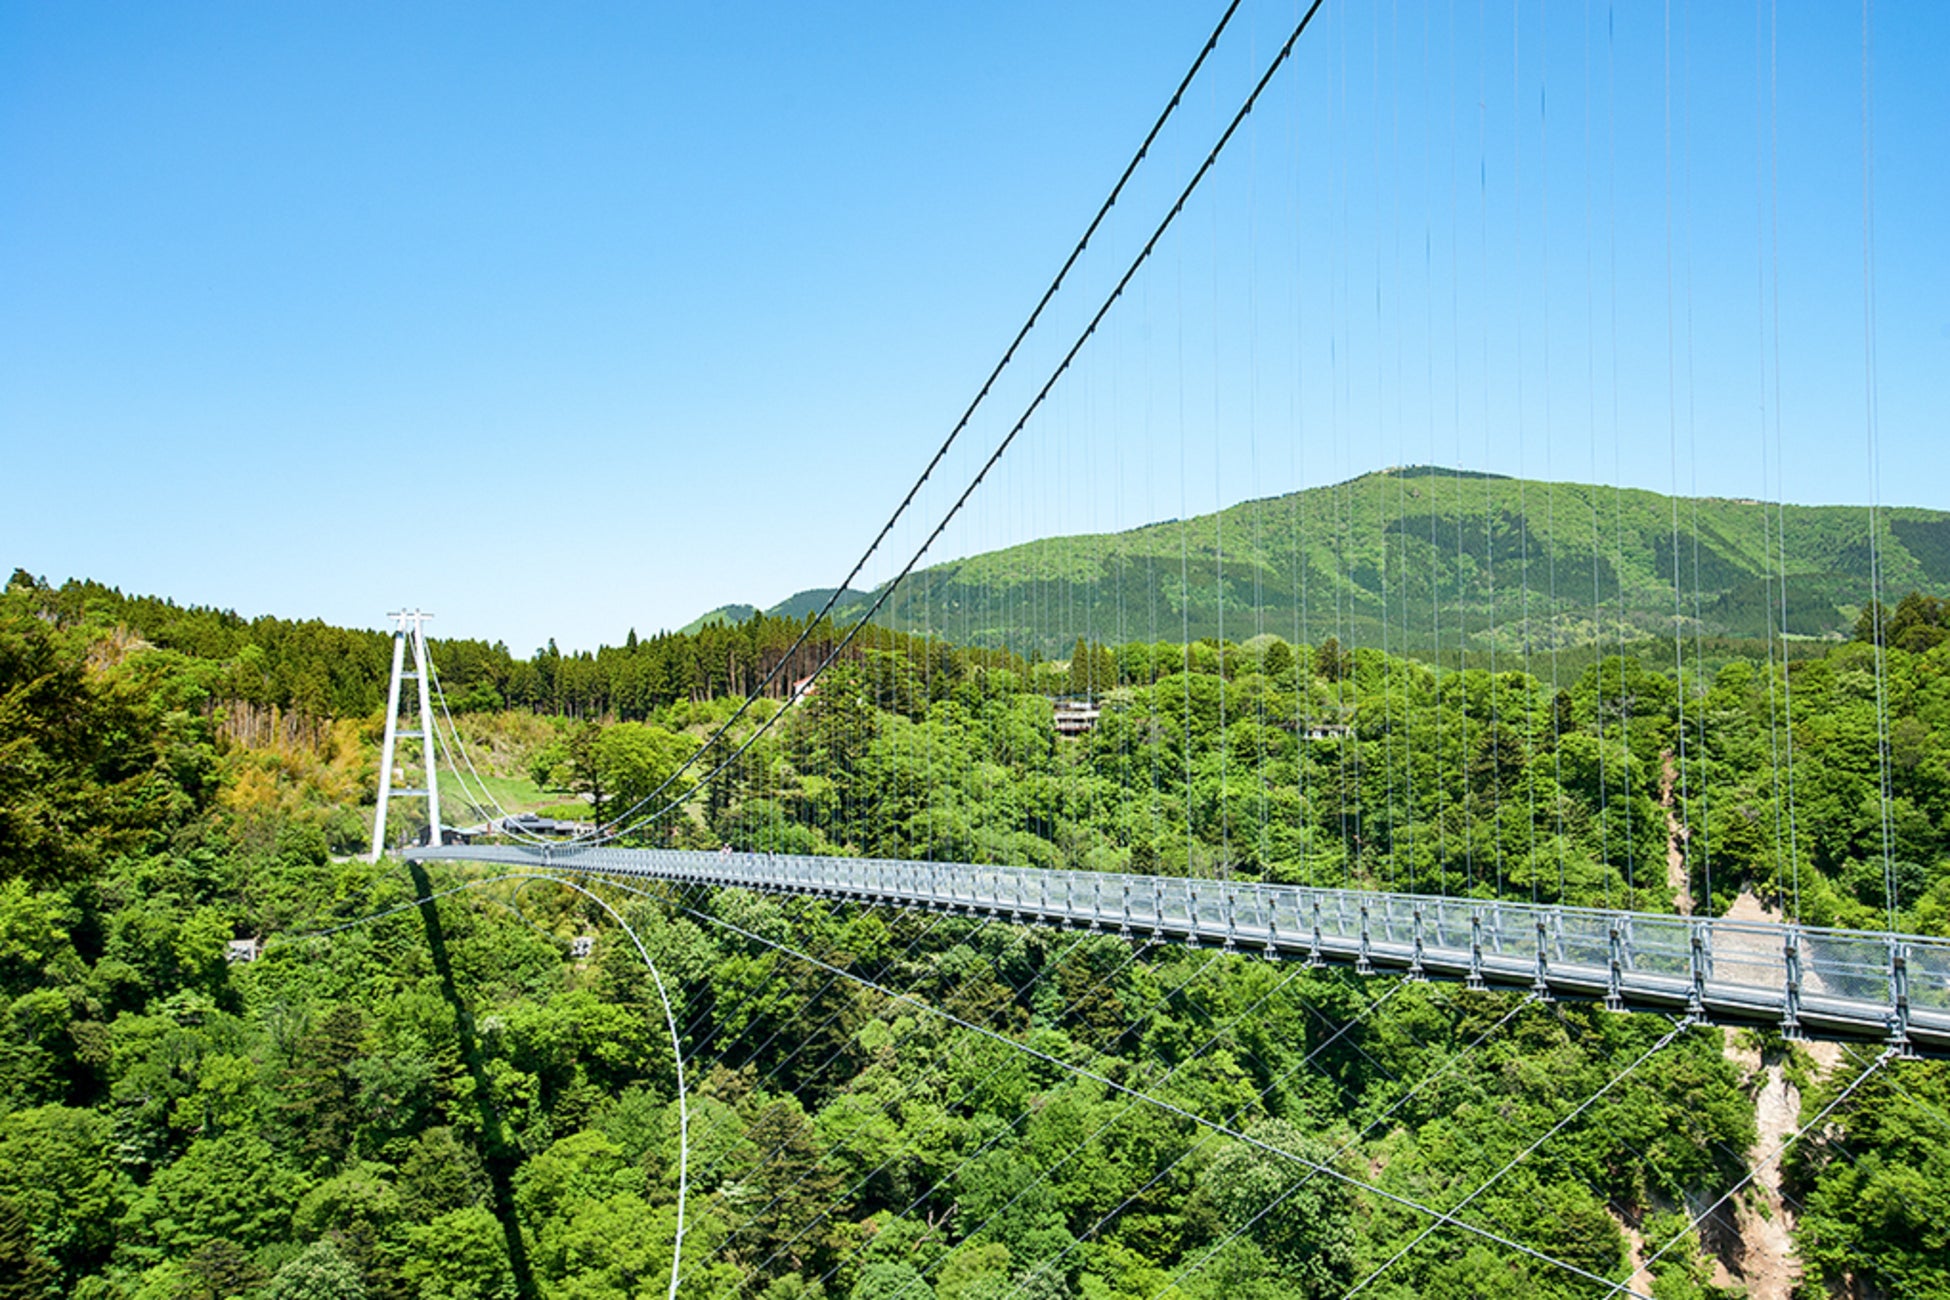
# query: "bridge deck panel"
1851 985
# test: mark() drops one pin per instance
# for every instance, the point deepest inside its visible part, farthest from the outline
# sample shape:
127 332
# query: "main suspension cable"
981 395
629 819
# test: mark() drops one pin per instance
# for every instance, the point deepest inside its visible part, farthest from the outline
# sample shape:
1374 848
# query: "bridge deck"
1808 981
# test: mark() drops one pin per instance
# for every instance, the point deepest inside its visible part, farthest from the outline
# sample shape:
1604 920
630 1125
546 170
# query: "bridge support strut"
410 625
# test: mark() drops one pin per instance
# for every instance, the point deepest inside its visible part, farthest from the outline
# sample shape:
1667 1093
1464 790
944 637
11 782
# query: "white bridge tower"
410 626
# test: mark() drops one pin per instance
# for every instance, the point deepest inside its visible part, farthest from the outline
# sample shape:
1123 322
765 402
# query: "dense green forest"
443 1100
314 669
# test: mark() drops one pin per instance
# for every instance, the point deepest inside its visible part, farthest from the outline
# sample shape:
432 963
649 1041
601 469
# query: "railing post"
1124 928
1541 986
1271 911
1361 966
1232 918
1191 916
1791 1001
1157 908
1415 961
1314 958
1615 964
1476 948
1899 997
1698 933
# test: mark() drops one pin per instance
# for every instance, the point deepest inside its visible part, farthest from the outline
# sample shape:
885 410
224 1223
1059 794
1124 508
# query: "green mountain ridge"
1425 558
797 605
723 614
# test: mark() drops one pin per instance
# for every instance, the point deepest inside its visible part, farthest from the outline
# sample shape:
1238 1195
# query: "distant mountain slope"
814 600
1424 557
798 605
722 614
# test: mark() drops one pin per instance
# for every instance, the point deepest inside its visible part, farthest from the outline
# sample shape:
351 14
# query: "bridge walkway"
1807 981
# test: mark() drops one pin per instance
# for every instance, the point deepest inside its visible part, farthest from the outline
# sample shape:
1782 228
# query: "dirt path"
1763 1253
1641 1279
1751 1239
1676 836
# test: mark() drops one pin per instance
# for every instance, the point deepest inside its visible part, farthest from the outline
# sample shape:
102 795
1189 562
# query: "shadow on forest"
496 1153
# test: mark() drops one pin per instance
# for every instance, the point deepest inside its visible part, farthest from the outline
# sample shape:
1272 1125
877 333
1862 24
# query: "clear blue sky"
561 320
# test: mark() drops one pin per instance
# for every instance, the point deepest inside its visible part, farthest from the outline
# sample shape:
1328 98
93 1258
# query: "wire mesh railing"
1803 980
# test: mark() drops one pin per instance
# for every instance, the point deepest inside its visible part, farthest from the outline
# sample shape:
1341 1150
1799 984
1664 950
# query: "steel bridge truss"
1806 981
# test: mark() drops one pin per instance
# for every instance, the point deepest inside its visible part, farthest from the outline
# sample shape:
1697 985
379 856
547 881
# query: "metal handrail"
1812 981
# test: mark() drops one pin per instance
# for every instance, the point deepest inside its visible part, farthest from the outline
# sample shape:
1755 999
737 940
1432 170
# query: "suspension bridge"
1848 986
1805 981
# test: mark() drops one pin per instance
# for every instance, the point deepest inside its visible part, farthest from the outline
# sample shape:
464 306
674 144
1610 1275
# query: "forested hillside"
310 667
441 1101
1432 559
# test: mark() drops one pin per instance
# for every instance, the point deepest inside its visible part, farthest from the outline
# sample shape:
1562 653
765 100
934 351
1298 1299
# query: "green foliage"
1918 623
1093 669
1308 1233
55 1170
219 1269
26 1273
636 761
319 1272
890 1280
1876 1183
312 670
92 762
461 1255
438 1173
441 1103
233 1187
